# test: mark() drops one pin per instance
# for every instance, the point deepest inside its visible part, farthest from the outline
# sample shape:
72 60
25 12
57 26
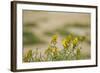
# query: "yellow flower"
54 50
69 38
48 50
75 41
65 43
54 39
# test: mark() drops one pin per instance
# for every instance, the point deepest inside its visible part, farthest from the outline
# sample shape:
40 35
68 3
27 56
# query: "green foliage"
71 51
48 33
28 57
30 38
78 25
30 25
63 32
78 53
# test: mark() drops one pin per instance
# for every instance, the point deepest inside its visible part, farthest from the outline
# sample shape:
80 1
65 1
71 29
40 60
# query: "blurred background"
40 26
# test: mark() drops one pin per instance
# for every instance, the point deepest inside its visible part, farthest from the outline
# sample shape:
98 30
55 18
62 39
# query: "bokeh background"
39 26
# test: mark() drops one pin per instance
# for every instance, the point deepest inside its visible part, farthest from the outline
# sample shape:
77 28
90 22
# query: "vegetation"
71 51
48 33
64 30
78 25
30 25
30 38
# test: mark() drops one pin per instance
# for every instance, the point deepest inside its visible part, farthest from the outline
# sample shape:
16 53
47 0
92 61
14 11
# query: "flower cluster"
54 39
71 50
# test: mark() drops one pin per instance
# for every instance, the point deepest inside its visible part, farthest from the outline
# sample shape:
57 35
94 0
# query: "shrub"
70 51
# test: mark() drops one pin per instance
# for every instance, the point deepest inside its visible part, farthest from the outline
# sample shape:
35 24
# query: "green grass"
71 51
78 25
56 57
30 25
49 33
63 32
85 56
30 38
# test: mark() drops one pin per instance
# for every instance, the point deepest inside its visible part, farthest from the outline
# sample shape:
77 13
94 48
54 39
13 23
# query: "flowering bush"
70 51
